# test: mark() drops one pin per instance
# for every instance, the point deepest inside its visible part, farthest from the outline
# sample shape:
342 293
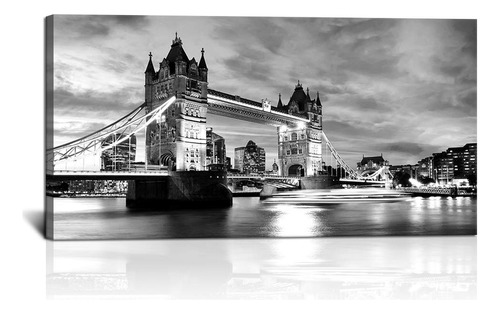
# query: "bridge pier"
183 189
316 182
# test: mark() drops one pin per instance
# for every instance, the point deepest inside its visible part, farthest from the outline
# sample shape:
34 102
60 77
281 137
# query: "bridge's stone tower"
178 139
299 146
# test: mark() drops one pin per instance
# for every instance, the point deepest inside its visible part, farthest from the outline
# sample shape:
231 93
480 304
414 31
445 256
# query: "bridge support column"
184 189
317 182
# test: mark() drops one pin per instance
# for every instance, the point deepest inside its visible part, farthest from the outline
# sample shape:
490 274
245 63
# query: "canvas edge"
49 120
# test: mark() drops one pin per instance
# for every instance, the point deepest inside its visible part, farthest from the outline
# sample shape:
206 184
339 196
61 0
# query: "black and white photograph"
242 127
250 157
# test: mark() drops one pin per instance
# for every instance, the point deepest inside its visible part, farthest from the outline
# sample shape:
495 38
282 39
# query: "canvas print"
228 127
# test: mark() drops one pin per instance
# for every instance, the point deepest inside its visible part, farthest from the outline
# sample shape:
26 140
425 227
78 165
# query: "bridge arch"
296 170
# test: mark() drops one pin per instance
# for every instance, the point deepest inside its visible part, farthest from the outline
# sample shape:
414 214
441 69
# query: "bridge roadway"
62 175
142 175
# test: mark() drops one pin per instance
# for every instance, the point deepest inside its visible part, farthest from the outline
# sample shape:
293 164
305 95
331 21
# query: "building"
118 157
216 148
97 186
371 164
442 168
299 146
178 138
412 170
250 159
464 160
425 168
455 165
239 154
229 166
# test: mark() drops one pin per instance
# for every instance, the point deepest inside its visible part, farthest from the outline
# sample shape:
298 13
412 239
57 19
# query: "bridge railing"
439 191
258 176
234 98
109 173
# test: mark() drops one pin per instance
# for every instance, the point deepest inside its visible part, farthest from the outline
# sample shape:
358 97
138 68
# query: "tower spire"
177 40
202 64
150 68
318 102
280 104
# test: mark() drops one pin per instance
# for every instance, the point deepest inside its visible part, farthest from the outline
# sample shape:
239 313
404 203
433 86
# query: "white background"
23 253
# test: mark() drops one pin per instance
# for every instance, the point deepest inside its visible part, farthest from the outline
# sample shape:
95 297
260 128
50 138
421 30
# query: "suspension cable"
78 148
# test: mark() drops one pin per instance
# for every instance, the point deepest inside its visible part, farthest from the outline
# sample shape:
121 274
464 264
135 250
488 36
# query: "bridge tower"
299 146
178 138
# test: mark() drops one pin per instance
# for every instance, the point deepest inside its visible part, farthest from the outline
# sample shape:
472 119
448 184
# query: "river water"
109 218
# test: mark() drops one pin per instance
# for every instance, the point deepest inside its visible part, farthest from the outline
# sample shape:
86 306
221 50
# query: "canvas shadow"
36 219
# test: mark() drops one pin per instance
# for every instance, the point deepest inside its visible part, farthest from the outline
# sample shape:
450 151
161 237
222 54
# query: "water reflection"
251 217
294 221
322 268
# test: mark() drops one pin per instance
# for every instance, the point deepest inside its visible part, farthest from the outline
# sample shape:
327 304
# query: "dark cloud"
344 128
252 32
115 65
451 106
402 147
363 104
468 29
247 67
87 103
470 101
76 129
87 27
452 70
130 21
94 29
403 152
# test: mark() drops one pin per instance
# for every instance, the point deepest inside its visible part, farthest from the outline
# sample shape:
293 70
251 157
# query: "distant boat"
339 196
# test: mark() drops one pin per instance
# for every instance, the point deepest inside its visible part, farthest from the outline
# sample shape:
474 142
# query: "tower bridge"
173 119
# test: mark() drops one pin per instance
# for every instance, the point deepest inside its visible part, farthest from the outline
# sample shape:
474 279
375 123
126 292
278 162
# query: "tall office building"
120 156
250 159
216 148
239 153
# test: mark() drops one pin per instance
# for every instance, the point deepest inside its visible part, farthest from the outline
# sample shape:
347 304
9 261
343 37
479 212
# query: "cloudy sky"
404 88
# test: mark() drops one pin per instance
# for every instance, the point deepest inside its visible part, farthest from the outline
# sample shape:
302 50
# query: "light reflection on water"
295 221
250 217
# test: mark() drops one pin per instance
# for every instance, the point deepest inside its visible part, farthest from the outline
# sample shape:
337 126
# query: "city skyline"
404 88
